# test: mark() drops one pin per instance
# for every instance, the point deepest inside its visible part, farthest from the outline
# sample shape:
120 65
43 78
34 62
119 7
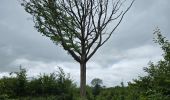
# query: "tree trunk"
83 80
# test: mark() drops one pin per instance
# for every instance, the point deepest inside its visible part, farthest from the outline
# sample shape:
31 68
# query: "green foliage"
52 21
14 86
114 93
156 85
21 83
57 86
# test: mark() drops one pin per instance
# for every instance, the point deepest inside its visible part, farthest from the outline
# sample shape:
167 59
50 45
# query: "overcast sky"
122 58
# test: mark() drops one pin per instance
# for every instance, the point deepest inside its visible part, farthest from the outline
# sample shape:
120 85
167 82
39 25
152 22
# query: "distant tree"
122 96
79 26
96 83
21 82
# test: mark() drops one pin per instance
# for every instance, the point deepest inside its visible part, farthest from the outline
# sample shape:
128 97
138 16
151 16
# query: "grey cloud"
139 24
137 28
20 38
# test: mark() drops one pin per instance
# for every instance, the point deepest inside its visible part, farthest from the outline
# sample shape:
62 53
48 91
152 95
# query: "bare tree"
79 26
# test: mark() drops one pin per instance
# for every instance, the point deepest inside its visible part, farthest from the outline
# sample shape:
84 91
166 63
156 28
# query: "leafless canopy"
80 26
